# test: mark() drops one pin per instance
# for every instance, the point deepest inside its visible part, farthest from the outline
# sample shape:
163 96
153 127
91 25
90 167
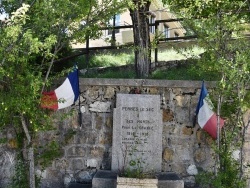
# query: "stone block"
77 164
109 122
97 151
86 121
182 115
85 176
177 167
200 155
93 92
123 182
171 129
189 182
153 90
168 154
41 174
109 92
187 131
76 151
168 115
104 179
137 132
92 163
169 180
192 170
100 106
105 138
86 137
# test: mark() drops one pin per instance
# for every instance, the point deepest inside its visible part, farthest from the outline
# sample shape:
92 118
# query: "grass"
112 74
187 72
111 60
108 59
172 54
180 73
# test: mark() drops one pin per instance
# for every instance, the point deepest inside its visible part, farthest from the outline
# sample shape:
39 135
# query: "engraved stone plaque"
137 133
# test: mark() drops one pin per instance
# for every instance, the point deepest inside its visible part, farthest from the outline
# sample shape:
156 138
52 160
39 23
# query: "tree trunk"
32 180
142 49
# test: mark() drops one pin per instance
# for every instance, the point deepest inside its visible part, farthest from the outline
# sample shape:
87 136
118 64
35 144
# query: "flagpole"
79 102
79 111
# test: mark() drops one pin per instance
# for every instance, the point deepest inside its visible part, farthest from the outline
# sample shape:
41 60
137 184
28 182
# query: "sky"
3 16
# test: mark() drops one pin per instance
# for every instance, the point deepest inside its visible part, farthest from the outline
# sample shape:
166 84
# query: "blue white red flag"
65 95
207 118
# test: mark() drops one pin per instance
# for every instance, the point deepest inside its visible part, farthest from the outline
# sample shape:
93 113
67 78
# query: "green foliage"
227 179
209 8
221 27
21 173
185 72
135 166
228 175
68 135
106 59
47 153
35 35
188 72
112 74
3 140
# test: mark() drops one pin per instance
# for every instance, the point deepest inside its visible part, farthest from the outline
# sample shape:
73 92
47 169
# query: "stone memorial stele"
137 133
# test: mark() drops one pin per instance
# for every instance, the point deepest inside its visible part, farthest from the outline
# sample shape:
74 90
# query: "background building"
125 35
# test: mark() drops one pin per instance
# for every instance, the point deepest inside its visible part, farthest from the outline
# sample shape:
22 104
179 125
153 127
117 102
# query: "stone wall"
87 148
184 147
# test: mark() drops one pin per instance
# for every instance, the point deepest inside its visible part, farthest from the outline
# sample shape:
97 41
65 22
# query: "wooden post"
156 42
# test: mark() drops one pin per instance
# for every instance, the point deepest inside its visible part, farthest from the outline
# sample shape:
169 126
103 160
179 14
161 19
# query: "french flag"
65 95
207 119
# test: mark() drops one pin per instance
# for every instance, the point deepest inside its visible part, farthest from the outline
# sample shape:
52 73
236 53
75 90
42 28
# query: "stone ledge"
144 83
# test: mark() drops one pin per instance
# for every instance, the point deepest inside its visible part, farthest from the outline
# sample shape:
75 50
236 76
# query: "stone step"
108 179
169 180
104 179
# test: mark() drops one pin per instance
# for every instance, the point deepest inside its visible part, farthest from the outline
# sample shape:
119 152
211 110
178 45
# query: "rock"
168 154
200 155
83 109
41 174
109 122
109 93
168 115
100 106
192 170
187 131
67 179
236 154
92 163
85 176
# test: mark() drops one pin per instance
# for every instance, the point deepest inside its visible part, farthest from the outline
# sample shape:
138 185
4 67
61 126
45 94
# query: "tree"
139 14
32 38
221 26
139 11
